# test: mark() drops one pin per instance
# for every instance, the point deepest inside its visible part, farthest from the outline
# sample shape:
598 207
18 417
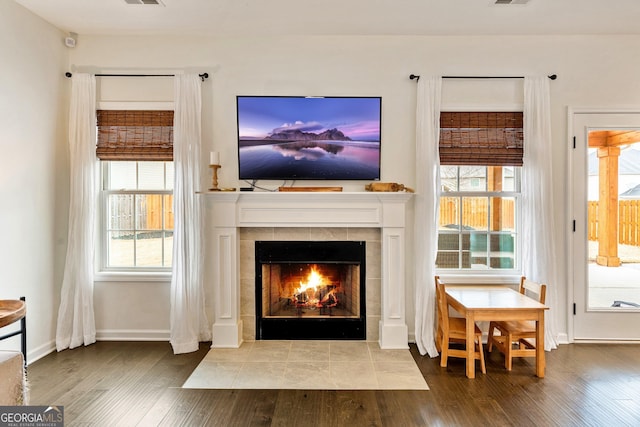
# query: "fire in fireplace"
310 290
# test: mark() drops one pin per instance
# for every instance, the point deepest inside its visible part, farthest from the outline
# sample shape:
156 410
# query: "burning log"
301 298
318 292
330 299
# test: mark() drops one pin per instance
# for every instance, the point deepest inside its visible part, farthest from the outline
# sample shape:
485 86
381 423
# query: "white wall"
33 171
592 71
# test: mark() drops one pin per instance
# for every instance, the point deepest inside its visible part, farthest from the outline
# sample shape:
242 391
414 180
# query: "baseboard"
605 341
132 335
40 352
563 339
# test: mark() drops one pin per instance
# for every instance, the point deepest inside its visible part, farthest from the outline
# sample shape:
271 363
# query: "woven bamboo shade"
481 138
135 135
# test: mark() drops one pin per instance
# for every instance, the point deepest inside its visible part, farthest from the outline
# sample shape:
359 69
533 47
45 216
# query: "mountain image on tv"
335 138
298 135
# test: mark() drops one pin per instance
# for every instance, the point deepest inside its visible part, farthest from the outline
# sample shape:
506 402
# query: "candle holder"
214 177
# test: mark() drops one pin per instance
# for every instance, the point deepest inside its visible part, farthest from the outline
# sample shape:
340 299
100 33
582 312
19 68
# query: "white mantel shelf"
311 209
263 195
229 211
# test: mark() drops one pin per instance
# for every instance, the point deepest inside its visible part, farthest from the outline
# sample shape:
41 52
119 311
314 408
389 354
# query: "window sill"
457 278
131 276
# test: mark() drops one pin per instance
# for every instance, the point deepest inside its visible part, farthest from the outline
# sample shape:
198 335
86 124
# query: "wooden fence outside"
628 222
148 212
154 212
475 212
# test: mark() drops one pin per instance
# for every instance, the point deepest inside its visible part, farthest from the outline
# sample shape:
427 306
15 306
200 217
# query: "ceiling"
340 17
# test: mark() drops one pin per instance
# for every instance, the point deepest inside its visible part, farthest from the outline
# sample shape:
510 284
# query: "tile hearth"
308 365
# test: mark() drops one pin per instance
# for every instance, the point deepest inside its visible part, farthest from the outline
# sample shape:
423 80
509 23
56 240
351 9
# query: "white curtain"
189 323
76 323
539 237
427 206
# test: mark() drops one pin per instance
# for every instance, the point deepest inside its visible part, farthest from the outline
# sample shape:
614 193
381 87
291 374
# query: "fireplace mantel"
229 211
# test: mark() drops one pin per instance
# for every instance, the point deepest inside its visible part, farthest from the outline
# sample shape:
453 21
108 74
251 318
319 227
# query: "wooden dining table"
486 303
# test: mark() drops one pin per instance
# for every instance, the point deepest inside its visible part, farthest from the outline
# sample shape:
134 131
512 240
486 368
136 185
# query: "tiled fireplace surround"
237 220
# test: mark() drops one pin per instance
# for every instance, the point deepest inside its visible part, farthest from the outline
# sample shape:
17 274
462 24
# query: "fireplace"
310 290
315 216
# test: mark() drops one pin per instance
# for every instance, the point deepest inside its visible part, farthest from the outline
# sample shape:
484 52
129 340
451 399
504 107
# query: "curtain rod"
202 76
416 77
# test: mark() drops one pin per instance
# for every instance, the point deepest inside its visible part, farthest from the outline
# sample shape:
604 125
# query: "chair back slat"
529 287
443 309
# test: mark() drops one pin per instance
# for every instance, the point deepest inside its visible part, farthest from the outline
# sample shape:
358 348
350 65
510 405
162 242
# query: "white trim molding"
229 211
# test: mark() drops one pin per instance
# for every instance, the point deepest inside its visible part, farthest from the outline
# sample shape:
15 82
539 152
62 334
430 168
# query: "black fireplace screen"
310 290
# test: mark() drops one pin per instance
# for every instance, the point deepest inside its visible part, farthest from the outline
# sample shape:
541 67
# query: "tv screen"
309 138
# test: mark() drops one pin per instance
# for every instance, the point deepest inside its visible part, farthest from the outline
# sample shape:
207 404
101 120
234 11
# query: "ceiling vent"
511 1
149 2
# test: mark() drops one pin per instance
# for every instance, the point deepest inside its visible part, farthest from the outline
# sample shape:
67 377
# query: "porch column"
608 207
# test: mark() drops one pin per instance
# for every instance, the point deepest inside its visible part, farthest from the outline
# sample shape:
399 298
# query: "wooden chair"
516 335
452 330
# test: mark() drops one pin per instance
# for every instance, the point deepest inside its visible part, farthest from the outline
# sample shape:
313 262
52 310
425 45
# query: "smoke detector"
71 40
148 2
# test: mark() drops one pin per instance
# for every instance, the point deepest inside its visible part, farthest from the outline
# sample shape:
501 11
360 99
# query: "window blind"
138 135
481 138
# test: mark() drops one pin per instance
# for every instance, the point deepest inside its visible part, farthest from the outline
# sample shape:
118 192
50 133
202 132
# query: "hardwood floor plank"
406 407
326 408
71 375
170 371
138 384
211 408
181 411
303 407
253 408
130 384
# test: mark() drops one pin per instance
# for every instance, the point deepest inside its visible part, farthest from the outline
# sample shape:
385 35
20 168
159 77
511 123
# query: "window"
137 174
481 158
138 215
478 217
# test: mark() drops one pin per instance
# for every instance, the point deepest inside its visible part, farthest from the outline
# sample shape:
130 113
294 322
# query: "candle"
214 158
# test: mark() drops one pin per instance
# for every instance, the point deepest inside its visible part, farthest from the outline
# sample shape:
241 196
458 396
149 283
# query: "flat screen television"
309 138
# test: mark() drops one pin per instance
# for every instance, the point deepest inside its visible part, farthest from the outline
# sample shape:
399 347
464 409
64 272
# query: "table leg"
540 362
471 347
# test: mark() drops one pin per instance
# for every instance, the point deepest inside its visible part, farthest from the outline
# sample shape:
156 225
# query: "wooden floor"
125 383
